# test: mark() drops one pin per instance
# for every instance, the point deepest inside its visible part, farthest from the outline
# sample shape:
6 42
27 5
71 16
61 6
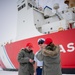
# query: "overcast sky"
8 17
8 20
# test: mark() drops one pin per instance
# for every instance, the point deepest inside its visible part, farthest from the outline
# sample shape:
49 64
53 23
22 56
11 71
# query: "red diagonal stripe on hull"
63 37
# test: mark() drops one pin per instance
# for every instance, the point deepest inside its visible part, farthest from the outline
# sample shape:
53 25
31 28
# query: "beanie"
41 41
48 41
29 45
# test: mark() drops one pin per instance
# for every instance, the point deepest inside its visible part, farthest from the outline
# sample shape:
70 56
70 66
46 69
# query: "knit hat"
41 41
48 41
29 45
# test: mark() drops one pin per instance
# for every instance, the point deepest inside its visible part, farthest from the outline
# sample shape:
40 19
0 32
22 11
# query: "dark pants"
39 71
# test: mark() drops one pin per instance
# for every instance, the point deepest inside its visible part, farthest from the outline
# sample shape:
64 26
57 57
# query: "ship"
35 22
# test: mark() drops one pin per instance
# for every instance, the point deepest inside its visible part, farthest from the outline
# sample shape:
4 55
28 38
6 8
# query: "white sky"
8 20
8 17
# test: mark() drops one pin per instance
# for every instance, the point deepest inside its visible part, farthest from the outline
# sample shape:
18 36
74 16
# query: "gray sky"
8 20
8 17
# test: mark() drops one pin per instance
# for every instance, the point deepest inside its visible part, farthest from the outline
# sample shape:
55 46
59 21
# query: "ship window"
51 28
17 5
62 12
21 7
48 22
45 32
37 20
48 32
23 20
29 5
35 24
23 1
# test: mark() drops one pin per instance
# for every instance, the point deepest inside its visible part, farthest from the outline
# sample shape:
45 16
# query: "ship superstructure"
37 21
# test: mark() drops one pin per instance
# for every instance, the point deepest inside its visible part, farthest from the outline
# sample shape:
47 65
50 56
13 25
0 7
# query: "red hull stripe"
66 40
1 64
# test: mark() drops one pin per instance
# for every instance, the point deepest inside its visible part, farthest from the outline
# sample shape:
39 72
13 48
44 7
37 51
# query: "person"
26 60
39 64
50 56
